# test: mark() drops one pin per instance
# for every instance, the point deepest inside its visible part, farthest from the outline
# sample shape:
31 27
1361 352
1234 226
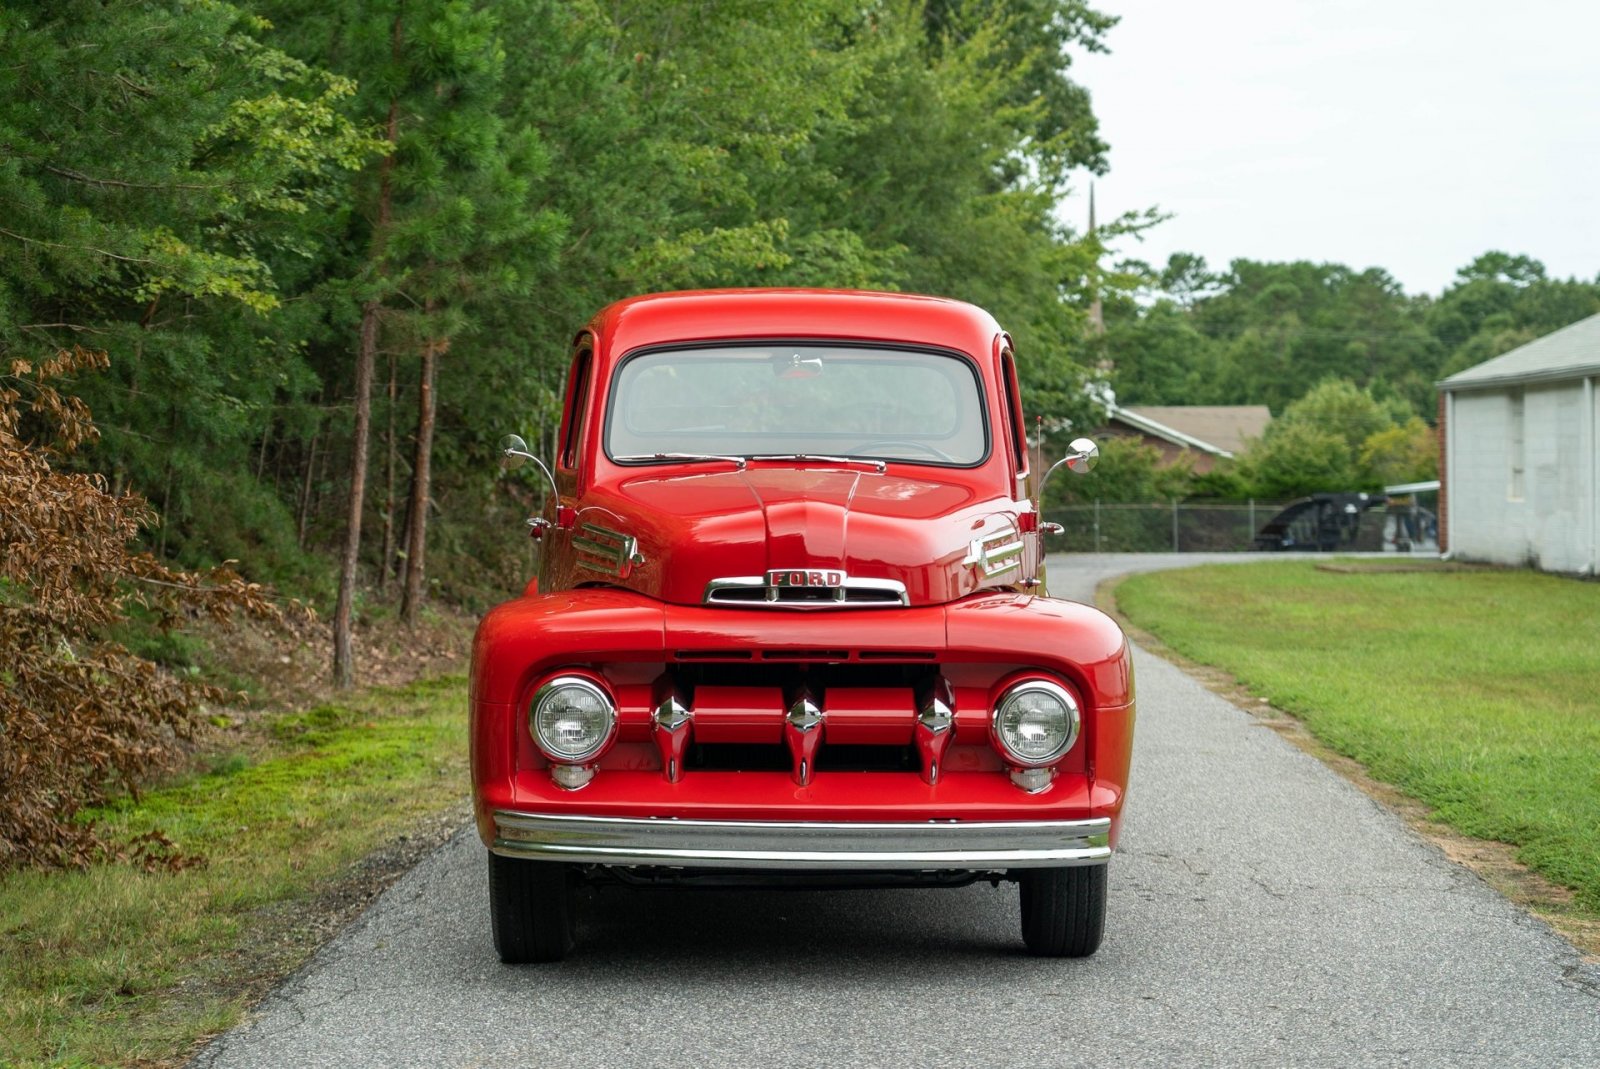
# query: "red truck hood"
696 527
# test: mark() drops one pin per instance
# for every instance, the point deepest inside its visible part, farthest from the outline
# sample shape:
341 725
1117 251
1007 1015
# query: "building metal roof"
1573 352
1222 430
1412 488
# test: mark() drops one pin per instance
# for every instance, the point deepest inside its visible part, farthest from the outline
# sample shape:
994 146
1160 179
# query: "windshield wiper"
879 466
737 462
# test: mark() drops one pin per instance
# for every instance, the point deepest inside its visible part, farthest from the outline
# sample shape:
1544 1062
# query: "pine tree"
157 162
446 226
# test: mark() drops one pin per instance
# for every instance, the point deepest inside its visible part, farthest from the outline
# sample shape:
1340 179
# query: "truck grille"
818 713
831 757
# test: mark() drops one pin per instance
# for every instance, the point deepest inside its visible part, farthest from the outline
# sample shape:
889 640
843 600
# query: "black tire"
530 909
1064 910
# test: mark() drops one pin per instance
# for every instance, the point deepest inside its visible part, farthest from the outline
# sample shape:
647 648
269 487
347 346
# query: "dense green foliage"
1412 674
1346 361
1266 333
1338 438
236 201
158 163
267 211
1334 438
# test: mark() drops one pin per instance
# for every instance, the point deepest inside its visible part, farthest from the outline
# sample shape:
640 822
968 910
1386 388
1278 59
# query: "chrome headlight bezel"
1009 697
546 692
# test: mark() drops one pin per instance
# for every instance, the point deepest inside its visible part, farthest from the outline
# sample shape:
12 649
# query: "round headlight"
572 719
1036 723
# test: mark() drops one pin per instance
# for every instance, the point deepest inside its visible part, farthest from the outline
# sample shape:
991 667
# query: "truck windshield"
787 400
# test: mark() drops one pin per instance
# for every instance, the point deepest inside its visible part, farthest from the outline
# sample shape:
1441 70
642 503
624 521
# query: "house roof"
1572 352
1222 430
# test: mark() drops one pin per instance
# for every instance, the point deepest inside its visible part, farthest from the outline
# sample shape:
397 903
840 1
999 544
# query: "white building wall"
1553 525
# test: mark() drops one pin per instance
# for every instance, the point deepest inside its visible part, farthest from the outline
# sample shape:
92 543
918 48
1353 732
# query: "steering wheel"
879 443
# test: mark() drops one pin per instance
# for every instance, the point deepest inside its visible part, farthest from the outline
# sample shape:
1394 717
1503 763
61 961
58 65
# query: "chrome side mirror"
1084 456
1081 460
513 453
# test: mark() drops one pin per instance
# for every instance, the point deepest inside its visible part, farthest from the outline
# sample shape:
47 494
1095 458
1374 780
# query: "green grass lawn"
1477 692
118 966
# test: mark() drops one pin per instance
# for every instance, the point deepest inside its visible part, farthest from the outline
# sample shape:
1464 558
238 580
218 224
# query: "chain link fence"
1160 527
1327 522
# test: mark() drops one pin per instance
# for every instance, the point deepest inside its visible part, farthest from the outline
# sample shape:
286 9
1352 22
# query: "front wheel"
1064 910
530 909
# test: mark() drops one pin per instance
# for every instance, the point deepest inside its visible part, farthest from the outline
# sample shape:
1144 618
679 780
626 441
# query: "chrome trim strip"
996 553
615 553
886 586
801 735
751 844
840 599
936 721
671 726
736 582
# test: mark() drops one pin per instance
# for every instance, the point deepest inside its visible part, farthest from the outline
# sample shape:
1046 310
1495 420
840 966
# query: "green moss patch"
116 965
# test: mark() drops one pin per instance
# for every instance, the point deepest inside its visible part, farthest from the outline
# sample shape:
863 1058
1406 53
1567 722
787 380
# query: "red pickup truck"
791 625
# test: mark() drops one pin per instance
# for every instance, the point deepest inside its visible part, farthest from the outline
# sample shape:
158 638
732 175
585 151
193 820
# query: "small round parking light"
1035 723
572 719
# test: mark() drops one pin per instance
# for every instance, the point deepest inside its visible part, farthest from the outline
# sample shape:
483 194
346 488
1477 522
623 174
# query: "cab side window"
576 409
1018 436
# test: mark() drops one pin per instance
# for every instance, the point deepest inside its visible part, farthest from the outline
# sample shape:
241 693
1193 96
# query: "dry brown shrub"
80 716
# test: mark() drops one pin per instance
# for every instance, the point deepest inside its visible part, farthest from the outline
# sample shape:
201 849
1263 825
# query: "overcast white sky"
1405 134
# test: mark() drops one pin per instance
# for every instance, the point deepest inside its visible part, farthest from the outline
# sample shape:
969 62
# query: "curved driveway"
1263 912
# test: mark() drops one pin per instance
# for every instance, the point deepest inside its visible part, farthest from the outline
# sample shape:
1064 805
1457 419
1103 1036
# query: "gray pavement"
1263 913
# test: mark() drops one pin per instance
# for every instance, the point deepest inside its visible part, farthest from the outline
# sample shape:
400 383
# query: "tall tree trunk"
421 470
166 494
261 457
366 355
400 551
388 493
305 486
343 658
165 521
403 506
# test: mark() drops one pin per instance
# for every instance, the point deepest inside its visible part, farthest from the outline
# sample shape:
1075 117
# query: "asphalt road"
1263 912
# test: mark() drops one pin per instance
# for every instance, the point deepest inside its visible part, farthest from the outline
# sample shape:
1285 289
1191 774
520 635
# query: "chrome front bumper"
843 847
